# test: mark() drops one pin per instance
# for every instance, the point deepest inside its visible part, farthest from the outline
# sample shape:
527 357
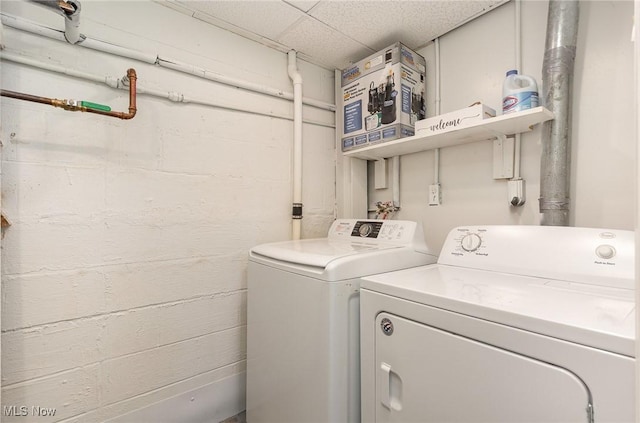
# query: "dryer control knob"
471 242
605 251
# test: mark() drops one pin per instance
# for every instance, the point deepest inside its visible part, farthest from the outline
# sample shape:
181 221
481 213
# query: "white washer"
303 318
513 324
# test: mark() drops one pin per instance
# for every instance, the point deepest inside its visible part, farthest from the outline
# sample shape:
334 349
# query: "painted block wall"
124 272
474 60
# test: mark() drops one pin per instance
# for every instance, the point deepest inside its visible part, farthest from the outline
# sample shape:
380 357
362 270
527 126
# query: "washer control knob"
365 229
605 251
471 242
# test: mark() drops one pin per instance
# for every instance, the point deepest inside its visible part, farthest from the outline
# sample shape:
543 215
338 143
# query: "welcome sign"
458 119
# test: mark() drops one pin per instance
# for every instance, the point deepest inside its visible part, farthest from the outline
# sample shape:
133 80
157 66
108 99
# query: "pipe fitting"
70 11
74 106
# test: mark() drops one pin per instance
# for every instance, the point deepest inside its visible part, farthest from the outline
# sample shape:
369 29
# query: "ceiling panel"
336 33
267 18
315 39
379 24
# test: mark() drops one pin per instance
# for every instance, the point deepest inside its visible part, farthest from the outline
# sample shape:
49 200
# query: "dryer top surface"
551 281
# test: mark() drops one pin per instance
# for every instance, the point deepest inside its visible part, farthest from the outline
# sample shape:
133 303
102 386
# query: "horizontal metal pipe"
216 77
31 27
168 95
27 97
15 58
105 47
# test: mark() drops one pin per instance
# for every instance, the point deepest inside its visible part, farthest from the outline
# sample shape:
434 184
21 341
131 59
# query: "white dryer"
303 355
513 324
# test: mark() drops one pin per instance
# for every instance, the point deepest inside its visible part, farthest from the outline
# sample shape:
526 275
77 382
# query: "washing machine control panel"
566 253
366 229
402 232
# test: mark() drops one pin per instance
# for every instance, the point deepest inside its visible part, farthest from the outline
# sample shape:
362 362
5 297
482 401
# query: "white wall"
474 59
123 274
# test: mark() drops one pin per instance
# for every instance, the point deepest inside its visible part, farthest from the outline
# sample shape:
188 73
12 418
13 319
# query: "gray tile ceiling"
335 33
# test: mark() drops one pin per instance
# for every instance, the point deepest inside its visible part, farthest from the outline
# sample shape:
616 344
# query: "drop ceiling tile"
326 46
267 18
335 33
378 24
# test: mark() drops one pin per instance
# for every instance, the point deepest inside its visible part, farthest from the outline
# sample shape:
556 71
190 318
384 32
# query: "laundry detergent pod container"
519 92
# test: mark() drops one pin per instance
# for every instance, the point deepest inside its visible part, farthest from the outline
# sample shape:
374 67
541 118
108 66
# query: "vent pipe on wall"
557 81
70 10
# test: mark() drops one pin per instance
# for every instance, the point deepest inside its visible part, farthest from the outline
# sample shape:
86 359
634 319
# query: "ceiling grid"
334 34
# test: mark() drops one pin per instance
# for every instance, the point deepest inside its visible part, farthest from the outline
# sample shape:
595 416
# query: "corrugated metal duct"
557 81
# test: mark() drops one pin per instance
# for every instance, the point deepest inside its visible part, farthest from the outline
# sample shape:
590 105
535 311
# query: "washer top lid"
598 316
347 237
353 248
318 252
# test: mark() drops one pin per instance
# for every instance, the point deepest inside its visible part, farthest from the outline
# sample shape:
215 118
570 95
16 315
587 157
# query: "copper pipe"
66 7
26 97
131 74
71 106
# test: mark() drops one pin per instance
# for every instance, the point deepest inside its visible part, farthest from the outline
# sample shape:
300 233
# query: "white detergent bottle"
519 92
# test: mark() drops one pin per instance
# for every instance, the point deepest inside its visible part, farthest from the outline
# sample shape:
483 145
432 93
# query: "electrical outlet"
434 195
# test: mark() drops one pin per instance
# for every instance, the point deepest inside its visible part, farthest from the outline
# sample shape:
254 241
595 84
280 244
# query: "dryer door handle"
390 388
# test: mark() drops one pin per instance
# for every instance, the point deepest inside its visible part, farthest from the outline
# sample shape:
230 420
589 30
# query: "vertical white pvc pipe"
296 79
636 62
518 52
436 152
72 24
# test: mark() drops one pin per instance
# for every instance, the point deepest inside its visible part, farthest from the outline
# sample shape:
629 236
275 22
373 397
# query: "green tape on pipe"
95 106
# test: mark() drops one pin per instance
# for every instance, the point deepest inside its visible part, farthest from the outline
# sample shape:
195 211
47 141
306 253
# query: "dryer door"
428 375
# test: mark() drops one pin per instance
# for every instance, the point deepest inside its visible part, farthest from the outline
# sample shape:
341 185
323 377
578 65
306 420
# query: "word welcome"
444 124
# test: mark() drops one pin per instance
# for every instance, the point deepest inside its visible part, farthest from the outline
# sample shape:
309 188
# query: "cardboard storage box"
383 96
458 119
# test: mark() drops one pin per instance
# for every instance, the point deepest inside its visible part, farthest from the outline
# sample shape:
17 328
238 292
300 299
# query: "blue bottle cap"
512 72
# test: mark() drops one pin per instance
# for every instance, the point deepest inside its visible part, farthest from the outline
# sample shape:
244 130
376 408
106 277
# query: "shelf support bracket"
380 171
503 156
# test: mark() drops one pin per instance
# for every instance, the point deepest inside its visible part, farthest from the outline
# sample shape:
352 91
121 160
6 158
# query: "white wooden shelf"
492 128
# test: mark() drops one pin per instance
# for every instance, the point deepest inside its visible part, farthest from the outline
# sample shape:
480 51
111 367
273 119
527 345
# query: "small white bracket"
503 155
516 194
380 172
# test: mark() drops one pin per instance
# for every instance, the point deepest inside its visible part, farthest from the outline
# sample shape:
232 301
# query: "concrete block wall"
124 272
